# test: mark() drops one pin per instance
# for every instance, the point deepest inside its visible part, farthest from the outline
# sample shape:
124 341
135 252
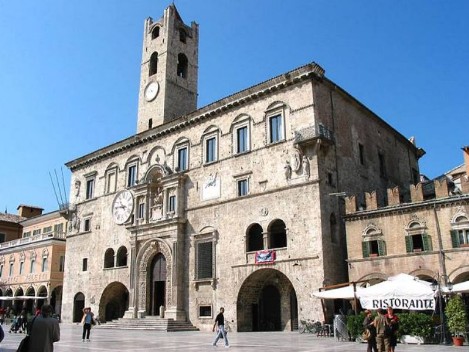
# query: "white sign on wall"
211 188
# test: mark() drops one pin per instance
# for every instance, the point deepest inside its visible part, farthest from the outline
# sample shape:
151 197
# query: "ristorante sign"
410 303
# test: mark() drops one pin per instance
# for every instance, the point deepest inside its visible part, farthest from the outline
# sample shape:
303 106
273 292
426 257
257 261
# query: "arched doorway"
56 299
29 303
114 301
8 303
18 303
157 284
267 302
42 292
78 305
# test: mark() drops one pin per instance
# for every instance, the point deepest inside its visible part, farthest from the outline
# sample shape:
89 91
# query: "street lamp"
435 285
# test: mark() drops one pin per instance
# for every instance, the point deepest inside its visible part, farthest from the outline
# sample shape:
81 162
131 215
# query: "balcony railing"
33 239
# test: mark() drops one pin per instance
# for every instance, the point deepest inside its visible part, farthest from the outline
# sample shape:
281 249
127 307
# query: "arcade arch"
267 302
114 301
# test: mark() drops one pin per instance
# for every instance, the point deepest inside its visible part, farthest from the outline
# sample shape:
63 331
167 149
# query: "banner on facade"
265 257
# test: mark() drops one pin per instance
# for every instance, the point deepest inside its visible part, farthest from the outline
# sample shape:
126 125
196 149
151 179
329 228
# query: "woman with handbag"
368 325
87 321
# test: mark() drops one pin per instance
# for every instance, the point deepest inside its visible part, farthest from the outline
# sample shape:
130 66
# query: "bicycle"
310 326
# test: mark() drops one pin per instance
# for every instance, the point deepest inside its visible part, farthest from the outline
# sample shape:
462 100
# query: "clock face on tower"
122 207
151 91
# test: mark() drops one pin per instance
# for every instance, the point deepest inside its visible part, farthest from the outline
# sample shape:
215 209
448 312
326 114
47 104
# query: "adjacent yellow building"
32 265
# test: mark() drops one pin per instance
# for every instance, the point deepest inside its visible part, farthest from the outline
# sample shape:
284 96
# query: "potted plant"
456 319
415 327
355 326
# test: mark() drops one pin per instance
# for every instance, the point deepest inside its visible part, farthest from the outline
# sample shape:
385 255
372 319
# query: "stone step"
149 323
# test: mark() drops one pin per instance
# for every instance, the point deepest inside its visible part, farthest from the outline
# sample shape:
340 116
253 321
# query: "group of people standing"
383 330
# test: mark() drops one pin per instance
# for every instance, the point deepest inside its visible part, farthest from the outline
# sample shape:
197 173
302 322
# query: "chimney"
27 211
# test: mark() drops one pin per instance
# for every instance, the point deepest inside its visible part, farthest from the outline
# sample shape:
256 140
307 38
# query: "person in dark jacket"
368 324
45 330
220 325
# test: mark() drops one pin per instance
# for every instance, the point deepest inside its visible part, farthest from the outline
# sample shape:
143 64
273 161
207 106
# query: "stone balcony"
33 239
312 134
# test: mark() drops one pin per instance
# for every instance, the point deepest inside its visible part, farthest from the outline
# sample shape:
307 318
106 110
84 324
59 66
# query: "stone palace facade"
231 204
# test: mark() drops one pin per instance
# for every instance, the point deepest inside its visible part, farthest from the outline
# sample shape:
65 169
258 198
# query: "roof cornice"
253 93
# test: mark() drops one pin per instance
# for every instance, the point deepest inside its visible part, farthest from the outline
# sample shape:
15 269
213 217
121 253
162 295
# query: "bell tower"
169 70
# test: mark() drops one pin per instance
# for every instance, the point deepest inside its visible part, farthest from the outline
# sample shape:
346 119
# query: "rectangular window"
463 236
45 265
210 149
87 226
205 311
242 139
31 269
111 178
243 187
418 243
382 165
276 129
11 269
361 153
84 266
47 229
62 263
205 260
58 229
37 232
89 188
132 175
182 159
21 268
172 204
141 211
27 234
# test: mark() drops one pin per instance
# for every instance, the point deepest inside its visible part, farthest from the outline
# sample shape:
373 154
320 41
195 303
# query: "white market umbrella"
401 292
346 292
457 288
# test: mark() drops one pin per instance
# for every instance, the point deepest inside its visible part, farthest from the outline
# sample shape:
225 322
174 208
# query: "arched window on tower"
109 258
277 234
153 63
155 33
182 66
121 259
255 238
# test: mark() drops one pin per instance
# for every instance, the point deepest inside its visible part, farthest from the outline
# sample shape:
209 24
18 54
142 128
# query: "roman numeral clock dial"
122 207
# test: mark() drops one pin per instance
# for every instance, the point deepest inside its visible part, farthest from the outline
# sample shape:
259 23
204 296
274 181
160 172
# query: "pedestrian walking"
219 324
45 330
87 321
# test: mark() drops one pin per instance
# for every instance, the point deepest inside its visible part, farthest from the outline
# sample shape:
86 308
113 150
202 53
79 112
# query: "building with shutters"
424 233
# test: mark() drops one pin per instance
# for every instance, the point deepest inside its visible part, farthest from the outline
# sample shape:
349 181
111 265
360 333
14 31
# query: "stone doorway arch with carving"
147 253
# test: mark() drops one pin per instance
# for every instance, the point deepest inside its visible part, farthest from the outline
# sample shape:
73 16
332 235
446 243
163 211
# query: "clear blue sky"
69 71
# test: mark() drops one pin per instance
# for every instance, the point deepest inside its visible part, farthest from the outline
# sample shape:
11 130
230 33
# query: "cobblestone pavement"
131 340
